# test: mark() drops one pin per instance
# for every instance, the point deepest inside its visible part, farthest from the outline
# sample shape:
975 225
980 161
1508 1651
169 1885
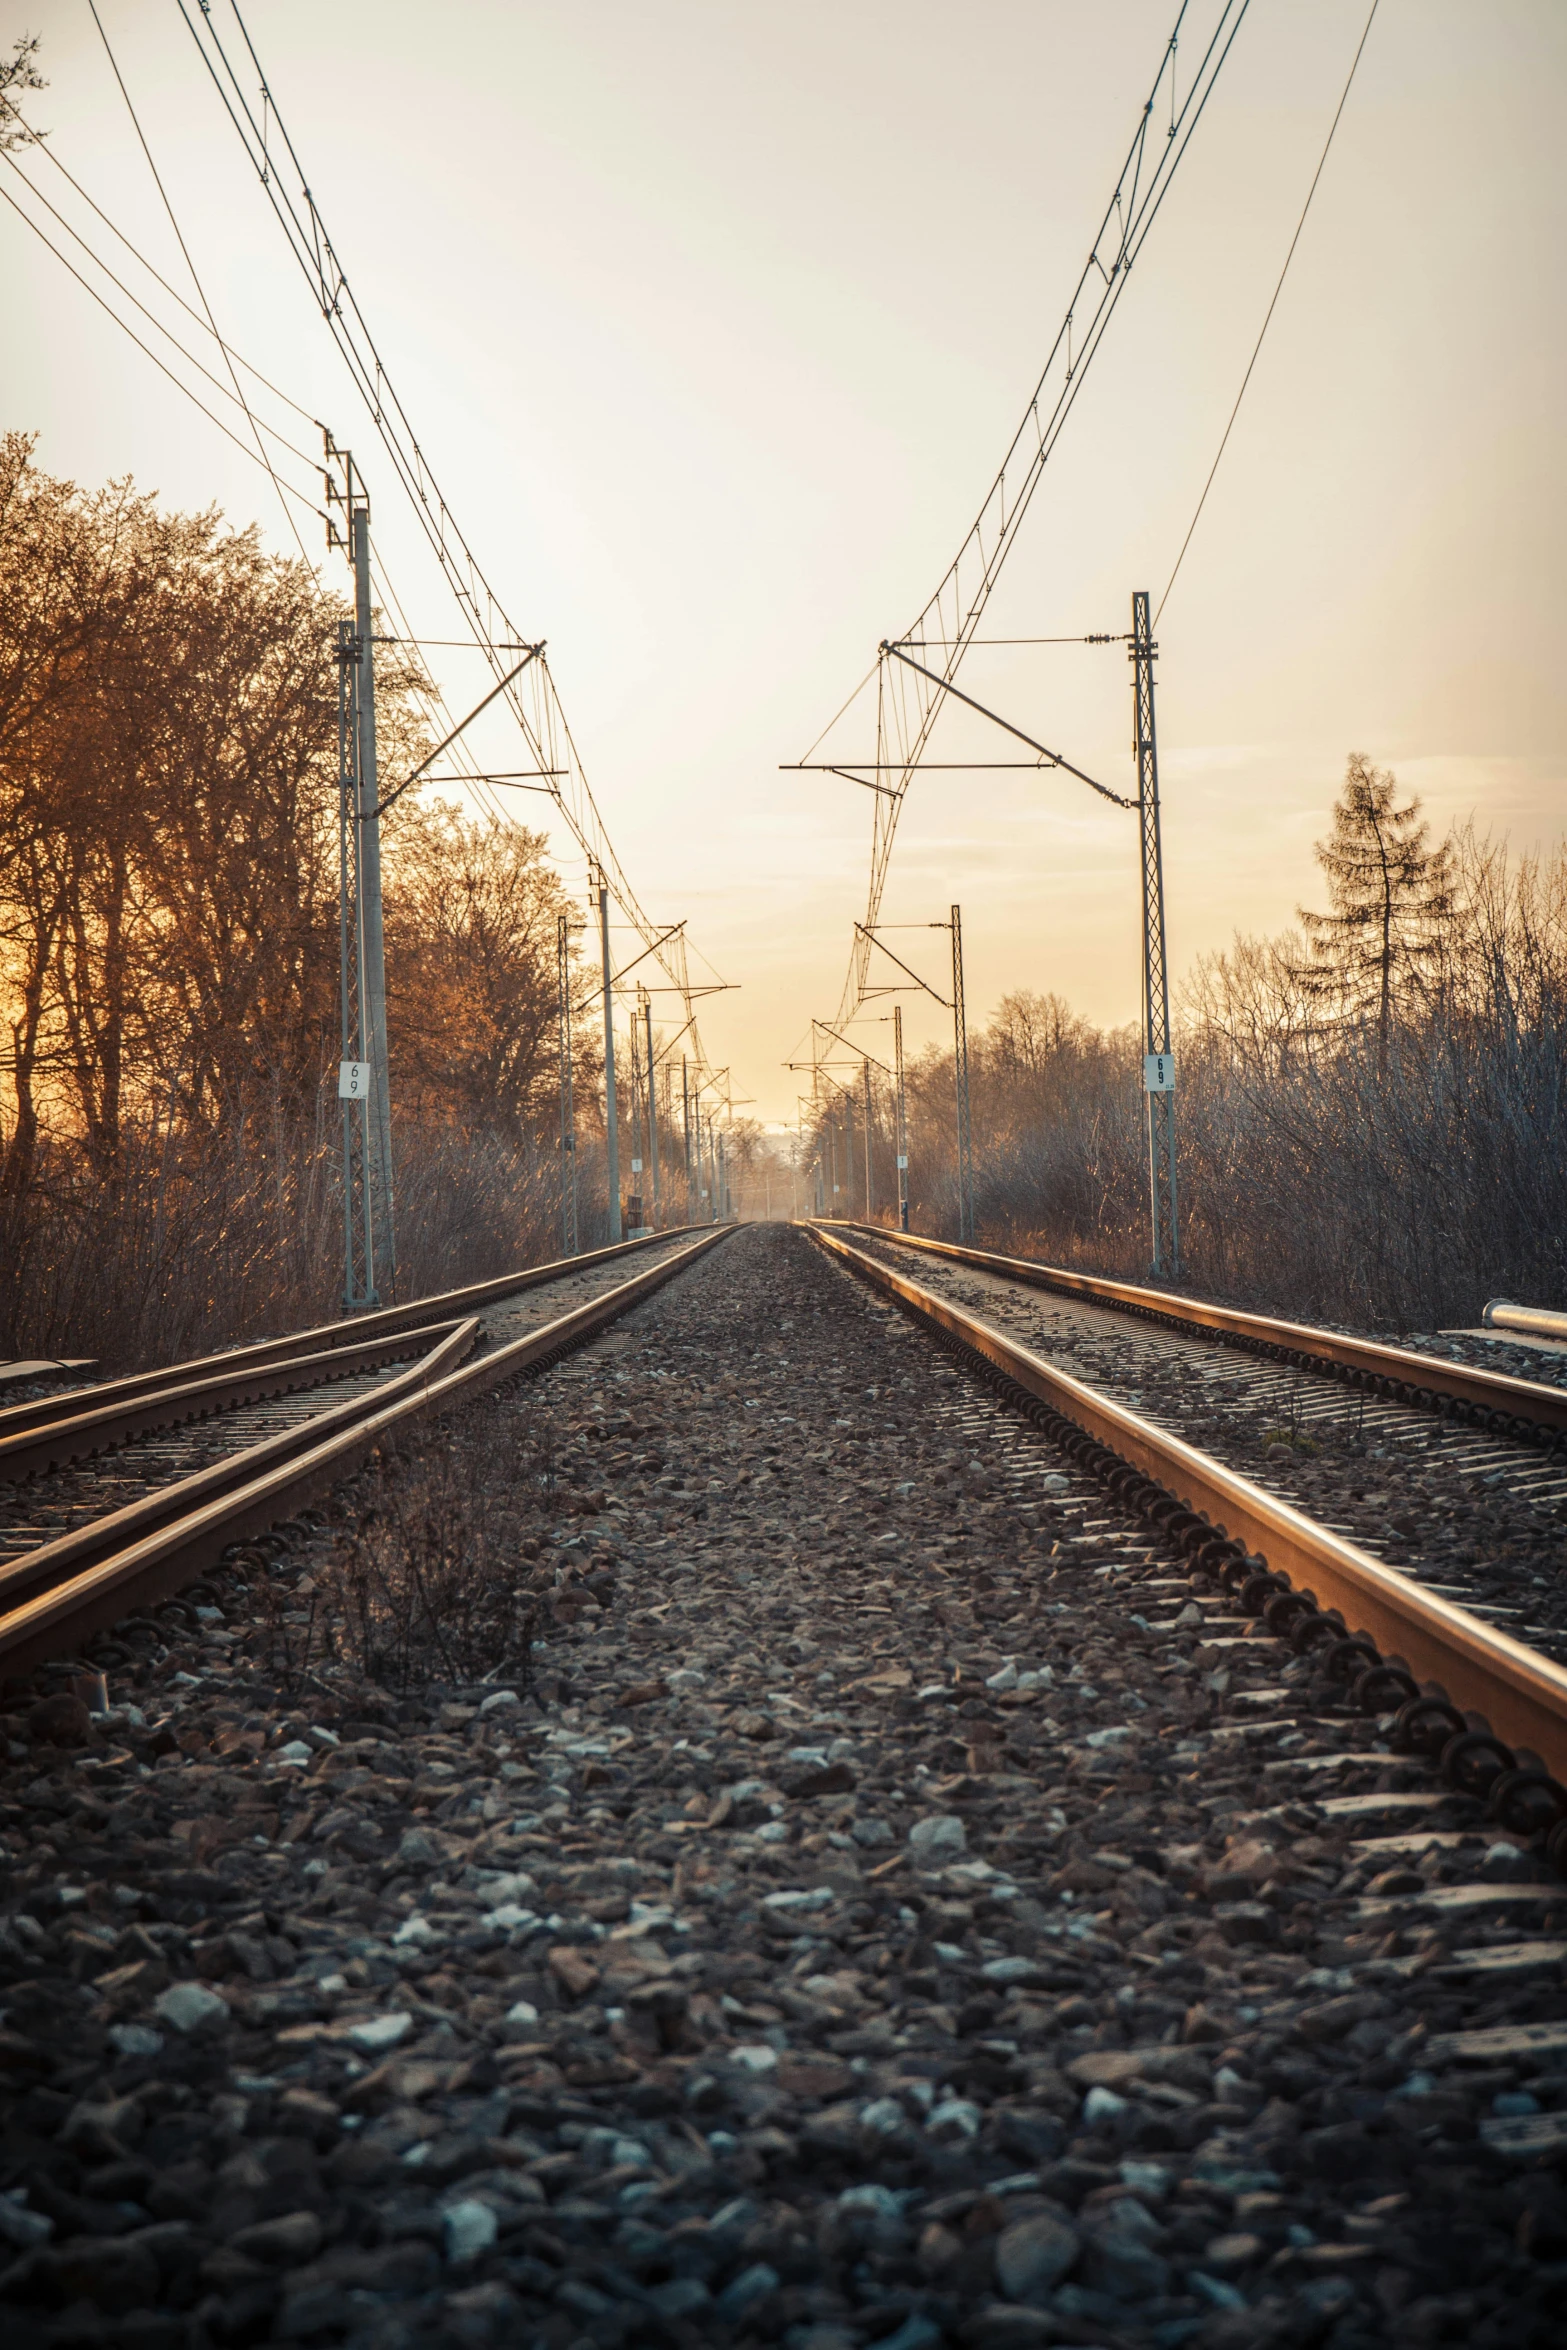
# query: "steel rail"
1522 1696
67 1554
53 1623
1409 1377
85 1433
448 1304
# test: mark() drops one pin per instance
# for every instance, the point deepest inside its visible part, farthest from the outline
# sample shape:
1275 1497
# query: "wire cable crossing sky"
716 326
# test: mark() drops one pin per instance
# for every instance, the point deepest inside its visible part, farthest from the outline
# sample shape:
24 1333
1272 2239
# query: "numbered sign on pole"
353 1081
1158 1072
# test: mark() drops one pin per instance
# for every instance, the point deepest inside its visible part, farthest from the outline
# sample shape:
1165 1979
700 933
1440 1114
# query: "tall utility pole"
960 1061
637 1201
369 1242
612 1153
1158 1057
846 1112
568 1120
902 1120
865 1072
685 1129
354 1067
652 1102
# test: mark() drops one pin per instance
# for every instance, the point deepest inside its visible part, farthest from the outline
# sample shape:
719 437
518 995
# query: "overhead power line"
226 391
195 279
1272 306
306 498
949 620
50 156
535 704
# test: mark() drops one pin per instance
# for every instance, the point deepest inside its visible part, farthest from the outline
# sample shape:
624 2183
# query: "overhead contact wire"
195 278
304 496
151 316
1272 306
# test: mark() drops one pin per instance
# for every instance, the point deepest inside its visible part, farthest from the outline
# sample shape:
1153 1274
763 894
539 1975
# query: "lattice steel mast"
960 1073
568 1120
1158 1053
369 1248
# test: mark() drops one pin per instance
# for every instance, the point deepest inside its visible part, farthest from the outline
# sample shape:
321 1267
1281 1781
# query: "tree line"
169 944
1371 1110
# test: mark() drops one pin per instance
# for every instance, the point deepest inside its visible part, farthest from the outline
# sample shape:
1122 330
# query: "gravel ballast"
887 1905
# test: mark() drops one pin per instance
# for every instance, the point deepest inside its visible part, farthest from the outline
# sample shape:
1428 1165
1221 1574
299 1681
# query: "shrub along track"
897 1910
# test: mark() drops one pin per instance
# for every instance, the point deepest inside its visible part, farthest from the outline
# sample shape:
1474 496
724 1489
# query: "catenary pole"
845 1107
1158 1055
902 1121
369 1272
652 1104
568 1121
960 1066
612 1139
373 931
638 1196
353 1076
865 1072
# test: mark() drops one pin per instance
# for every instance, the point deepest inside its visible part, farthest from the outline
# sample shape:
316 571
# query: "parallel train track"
121 1494
1488 1709
294 1415
1169 1883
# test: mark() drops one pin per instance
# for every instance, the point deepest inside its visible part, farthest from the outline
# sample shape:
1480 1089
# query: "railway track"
1456 1476
910 1901
119 1492
1399 1646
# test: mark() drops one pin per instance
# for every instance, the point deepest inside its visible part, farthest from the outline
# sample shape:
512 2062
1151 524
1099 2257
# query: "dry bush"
434 1583
200 1243
1393 1180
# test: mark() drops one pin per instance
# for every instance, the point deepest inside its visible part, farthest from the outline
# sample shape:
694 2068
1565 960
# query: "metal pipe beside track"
1534 1321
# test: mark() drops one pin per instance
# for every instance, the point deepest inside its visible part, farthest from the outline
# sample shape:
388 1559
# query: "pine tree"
1390 892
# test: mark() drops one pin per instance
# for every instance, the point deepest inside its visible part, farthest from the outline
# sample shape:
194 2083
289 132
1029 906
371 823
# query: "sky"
714 324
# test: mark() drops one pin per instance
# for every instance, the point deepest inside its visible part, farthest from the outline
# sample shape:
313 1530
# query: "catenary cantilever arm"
1054 758
424 765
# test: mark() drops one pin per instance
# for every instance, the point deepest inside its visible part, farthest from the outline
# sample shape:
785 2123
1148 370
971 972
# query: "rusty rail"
52 1622
447 1305
1504 1404
1522 1696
